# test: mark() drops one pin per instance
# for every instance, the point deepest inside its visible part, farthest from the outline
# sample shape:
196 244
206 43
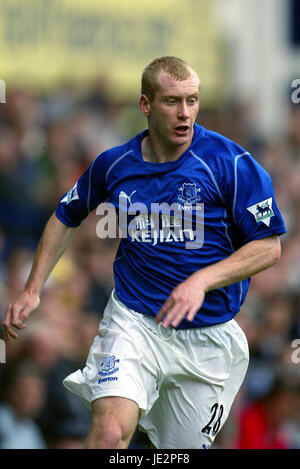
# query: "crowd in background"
46 142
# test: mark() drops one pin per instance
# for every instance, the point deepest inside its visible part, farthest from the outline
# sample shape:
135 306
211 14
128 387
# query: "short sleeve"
254 208
86 194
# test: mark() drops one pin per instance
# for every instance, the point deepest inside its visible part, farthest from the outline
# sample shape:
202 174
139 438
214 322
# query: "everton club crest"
189 193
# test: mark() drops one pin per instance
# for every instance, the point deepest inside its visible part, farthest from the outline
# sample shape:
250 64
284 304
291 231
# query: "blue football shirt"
178 217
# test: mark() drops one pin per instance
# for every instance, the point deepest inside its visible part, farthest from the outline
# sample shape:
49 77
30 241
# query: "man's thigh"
195 400
188 414
120 363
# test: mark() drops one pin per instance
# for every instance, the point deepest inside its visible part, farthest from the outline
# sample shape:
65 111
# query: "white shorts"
184 381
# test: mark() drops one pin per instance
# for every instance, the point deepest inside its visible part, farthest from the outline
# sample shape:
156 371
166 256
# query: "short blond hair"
177 68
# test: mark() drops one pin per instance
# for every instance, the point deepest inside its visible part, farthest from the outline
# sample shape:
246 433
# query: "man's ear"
145 106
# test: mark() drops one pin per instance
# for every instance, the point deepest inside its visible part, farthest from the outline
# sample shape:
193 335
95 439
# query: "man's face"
173 111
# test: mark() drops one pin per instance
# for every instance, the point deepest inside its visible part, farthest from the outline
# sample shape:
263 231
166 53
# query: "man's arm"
188 296
55 239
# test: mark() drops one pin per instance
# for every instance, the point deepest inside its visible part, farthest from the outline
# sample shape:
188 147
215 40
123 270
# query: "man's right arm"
55 239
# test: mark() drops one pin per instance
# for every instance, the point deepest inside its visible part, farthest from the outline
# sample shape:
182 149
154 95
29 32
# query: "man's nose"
183 111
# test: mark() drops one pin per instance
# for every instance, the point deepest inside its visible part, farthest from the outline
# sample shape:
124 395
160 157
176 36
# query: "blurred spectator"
23 393
262 422
64 419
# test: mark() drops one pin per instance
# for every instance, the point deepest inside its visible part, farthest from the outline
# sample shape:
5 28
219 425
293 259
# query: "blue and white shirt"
178 217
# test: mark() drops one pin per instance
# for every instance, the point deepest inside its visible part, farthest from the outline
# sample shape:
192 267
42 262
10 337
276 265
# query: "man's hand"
17 312
55 239
188 296
185 300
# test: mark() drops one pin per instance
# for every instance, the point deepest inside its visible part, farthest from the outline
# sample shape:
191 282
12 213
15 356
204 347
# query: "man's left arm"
187 298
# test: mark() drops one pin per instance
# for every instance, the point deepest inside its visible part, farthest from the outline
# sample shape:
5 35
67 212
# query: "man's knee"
113 423
106 433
